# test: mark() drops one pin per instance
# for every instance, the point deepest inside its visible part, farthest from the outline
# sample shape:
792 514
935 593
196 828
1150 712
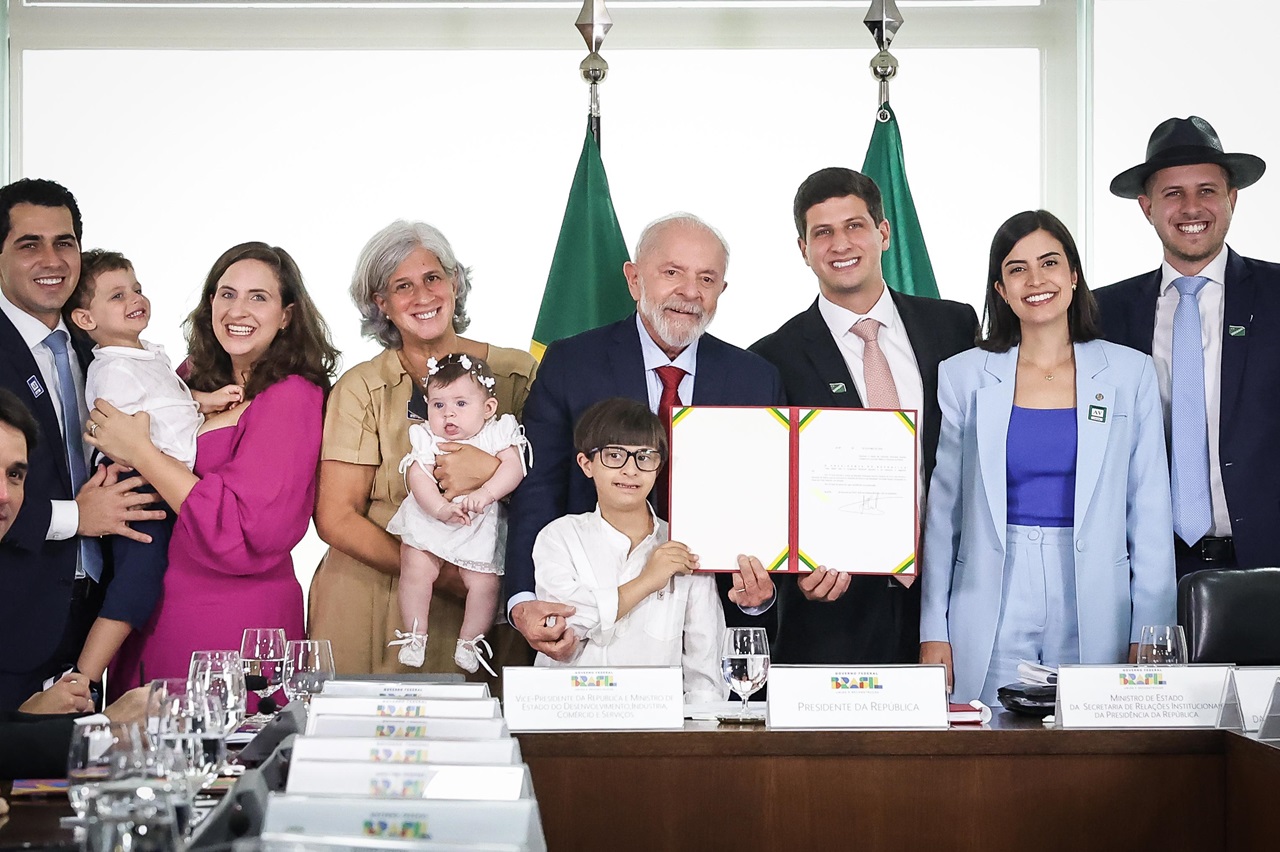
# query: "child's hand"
220 400
477 501
668 560
454 513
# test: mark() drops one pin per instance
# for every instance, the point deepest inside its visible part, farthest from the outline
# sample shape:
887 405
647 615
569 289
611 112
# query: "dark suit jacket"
1249 417
580 371
34 746
876 620
35 574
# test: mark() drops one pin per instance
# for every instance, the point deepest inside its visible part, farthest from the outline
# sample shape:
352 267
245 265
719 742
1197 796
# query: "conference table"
1012 786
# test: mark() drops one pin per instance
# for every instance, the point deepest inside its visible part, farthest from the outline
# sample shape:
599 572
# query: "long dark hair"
301 348
1003 329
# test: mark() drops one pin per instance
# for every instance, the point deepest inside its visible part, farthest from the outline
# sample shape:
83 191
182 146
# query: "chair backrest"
1231 616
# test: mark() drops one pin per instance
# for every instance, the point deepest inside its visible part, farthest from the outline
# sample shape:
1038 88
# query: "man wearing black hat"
1211 320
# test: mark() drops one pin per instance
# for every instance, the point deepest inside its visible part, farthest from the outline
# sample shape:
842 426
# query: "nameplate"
326 819
625 698
403 689
402 781
406 729
372 750
402 708
1251 688
870 697
1140 696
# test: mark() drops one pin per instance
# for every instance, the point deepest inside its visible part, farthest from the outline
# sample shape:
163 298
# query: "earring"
1073 287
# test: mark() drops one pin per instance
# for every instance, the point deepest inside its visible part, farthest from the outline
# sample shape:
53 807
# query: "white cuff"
518 598
762 609
64 520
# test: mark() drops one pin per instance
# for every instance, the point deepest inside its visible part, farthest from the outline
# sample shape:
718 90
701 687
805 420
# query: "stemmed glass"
744 659
221 673
262 654
100 752
1162 645
308 663
191 723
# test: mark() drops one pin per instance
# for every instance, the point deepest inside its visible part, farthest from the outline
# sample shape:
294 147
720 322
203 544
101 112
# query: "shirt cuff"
64 520
517 598
762 609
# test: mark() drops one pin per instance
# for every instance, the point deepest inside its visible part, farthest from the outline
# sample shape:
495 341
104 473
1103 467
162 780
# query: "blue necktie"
90 554
1192 507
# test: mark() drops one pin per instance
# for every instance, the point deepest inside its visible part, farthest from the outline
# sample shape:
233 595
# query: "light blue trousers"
1038 620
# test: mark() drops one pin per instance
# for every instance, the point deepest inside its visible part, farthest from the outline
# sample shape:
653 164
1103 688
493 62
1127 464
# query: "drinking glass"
262 654
133 815
100 752
1162 645
744 659
189 725
221 673
308 663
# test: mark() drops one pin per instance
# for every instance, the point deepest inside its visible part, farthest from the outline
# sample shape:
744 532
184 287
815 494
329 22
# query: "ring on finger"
93 428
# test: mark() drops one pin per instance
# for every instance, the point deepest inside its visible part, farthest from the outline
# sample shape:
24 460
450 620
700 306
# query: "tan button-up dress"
352 605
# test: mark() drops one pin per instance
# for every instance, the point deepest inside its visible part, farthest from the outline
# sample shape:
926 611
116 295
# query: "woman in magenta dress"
250 497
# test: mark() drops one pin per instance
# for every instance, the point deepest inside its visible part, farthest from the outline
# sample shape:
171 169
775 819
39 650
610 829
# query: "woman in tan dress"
411 292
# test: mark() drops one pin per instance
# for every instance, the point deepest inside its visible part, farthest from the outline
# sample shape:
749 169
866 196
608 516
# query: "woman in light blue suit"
1049 529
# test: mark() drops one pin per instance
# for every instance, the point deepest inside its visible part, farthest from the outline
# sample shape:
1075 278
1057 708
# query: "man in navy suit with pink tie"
1211 320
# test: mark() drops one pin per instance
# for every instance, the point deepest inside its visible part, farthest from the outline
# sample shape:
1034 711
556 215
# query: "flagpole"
594 23
883 20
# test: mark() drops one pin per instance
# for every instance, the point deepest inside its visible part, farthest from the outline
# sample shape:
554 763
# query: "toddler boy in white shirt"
133 375
637 600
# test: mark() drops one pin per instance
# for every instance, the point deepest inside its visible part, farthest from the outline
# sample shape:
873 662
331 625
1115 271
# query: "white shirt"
1211 313
897 350
654 358
581 560
64 519
136 380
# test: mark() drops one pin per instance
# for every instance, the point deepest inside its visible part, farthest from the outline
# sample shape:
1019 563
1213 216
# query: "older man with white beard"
662 356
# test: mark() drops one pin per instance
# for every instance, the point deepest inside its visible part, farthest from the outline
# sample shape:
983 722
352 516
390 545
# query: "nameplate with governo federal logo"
622 698
857 697
1140 696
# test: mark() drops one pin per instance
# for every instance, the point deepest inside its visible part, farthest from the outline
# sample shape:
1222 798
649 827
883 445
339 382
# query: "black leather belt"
81 588
1212 549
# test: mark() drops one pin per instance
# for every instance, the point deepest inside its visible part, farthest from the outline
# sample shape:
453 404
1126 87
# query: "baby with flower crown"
468 532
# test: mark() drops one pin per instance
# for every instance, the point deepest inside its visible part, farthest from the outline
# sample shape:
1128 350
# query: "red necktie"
670 378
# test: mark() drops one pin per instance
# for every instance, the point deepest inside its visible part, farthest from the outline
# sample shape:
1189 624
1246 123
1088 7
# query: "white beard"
674 333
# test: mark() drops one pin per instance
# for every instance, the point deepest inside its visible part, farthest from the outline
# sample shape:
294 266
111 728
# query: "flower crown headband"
476 368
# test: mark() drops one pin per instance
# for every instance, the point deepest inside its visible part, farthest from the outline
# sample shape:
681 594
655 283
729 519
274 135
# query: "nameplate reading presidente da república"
622 698
857 697
1140 696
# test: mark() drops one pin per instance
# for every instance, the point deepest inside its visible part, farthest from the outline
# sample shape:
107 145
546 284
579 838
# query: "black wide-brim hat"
1186 142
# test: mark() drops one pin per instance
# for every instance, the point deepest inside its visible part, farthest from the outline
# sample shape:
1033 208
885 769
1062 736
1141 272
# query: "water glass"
221 673
1162 645
131 815
188 726
100 752
744 660
262 654
308 663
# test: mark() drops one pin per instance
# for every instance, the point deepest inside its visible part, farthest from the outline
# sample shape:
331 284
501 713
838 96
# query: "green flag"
586 287
906 264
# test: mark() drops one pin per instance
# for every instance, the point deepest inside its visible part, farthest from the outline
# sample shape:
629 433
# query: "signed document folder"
796 487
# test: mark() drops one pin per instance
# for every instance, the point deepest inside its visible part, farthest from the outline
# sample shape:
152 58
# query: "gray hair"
378 261
688 220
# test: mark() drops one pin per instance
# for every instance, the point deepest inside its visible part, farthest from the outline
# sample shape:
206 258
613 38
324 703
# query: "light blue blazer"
1123 532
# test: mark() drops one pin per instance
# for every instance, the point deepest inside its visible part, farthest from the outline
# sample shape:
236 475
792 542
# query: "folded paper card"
383 750
406 729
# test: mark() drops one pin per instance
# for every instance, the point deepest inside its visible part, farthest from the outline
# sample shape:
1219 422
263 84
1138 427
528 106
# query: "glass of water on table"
262 655
744 660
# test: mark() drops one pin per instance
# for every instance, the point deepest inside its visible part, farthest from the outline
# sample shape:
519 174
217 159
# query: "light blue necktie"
90 554
1192 507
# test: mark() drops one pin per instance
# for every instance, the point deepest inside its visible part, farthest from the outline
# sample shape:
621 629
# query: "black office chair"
1231 616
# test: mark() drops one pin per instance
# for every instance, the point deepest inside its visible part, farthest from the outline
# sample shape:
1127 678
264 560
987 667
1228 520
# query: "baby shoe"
470 654
413 646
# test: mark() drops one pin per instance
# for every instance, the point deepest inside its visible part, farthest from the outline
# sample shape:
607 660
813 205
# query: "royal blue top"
1041 466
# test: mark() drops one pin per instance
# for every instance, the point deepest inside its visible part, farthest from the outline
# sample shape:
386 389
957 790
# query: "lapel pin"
1235 331
34 384
838 387
1097 413
1098 397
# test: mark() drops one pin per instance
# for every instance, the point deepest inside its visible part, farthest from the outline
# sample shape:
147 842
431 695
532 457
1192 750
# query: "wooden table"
1017 787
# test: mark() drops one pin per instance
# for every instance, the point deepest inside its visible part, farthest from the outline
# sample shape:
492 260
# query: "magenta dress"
229 563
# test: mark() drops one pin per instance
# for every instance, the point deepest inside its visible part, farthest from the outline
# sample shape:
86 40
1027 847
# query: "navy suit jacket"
578 372
876 620
35 574
1249 416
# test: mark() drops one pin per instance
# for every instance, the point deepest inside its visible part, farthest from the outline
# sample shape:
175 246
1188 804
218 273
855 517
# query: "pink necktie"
881 391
